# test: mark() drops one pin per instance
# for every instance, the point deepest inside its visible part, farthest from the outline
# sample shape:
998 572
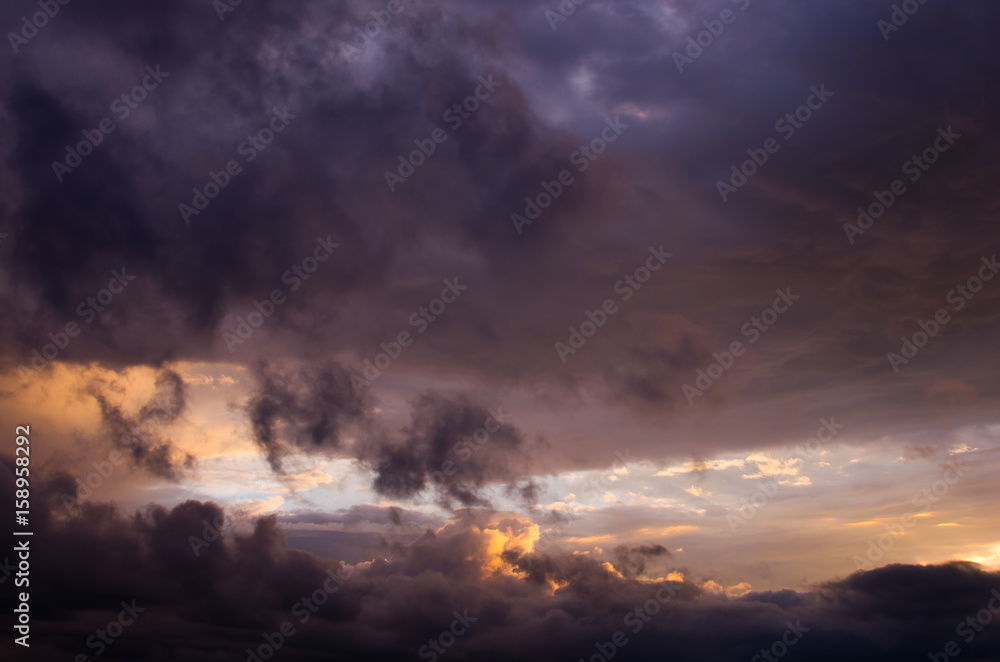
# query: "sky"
523 329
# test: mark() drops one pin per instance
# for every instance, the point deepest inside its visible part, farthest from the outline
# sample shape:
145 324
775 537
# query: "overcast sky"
524 308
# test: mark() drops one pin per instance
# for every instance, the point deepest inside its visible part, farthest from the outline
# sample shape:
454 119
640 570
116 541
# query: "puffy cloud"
304 410
455 446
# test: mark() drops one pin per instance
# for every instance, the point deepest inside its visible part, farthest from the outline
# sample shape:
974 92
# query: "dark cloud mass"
305 410
632 561
456 446
218 603
451 444
472 307
324 177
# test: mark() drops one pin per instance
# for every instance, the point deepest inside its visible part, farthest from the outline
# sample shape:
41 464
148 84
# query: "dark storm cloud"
220 602
452 444
324 175
456 446
121 204
123 198
141 435
305 410
632 561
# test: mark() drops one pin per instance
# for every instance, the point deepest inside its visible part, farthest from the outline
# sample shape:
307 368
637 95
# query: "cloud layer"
203 597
